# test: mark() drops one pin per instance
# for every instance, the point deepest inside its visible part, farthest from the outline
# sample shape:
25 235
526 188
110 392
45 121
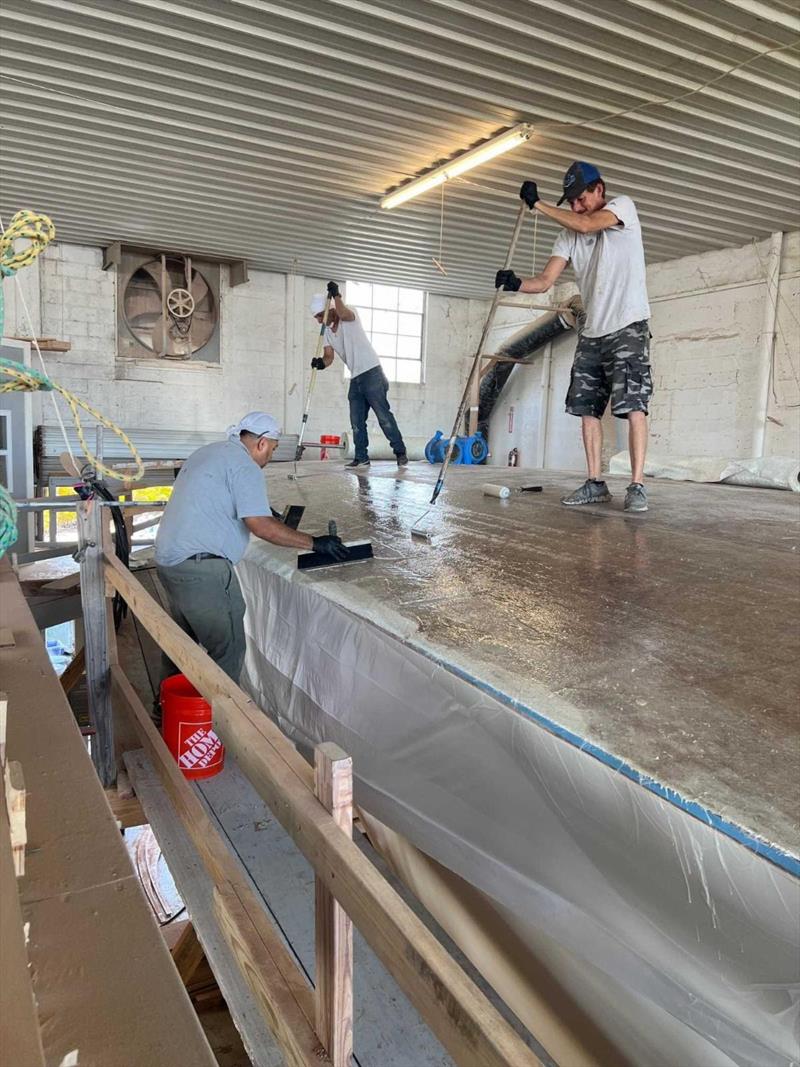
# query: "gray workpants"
206 601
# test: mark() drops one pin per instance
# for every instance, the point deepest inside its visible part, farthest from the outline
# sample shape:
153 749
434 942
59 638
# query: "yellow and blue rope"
39 230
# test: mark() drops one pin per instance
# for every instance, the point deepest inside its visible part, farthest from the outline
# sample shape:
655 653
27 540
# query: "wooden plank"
73 671
98 678
187 954
196 886
6 638
259 966
15 805
127 811
458 1013
48 344
20 1036
281 989
333 784
94 949
3 727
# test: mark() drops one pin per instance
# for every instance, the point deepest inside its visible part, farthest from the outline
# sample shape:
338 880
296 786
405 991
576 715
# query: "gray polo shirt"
218 486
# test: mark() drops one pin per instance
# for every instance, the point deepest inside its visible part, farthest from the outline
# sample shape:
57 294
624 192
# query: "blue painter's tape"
785 860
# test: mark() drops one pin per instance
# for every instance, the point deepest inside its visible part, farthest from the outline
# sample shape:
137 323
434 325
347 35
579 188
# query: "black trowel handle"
332 528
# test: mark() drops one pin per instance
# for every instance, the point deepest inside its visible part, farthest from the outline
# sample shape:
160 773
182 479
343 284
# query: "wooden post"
333 784
93 602
15 804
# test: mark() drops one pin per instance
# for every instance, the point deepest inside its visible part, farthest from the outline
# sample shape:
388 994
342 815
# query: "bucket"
187 729
328 439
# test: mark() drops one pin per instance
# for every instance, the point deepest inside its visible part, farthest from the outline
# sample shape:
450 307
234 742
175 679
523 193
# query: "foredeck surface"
665 643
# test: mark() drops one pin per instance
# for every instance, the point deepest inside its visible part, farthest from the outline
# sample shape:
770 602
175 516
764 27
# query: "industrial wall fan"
169 308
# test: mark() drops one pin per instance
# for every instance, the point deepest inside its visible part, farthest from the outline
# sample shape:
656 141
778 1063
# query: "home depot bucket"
187 729
328 439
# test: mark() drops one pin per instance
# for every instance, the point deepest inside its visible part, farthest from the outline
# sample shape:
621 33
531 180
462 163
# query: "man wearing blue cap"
603 240
219 499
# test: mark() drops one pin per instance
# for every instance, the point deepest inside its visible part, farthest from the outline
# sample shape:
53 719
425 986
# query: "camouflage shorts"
615 367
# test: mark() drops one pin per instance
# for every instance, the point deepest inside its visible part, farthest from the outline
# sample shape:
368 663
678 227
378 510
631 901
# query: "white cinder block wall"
707 320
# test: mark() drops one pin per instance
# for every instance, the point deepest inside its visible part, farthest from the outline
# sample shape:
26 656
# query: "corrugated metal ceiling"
270 130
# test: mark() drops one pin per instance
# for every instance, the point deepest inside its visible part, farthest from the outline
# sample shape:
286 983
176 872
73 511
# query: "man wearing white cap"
369 387
219 499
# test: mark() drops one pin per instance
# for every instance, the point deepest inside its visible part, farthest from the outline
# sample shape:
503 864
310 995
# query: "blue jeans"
370 390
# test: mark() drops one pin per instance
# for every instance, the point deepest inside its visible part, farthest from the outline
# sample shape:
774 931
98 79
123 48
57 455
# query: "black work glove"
333 290
331 546
529 192
508 280
318 363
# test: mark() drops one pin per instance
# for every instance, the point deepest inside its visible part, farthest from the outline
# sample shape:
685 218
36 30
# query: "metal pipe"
767 344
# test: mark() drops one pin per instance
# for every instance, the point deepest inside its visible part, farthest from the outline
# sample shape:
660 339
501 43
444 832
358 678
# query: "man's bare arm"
345 313
545 280
274 531
570 220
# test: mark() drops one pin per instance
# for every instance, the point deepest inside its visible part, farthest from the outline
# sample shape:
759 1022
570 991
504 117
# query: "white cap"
257 422
318 303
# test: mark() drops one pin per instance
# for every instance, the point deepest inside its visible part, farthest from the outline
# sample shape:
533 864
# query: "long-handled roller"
417 530
298 454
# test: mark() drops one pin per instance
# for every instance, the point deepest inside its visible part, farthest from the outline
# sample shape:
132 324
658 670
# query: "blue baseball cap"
577 178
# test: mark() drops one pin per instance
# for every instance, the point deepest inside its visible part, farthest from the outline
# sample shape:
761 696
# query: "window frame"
423 314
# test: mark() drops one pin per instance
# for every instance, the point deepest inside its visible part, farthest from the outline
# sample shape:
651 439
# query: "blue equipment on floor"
468 450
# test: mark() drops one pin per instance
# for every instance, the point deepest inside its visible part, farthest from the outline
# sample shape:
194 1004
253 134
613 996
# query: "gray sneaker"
402 460
357 463
589 493
636 497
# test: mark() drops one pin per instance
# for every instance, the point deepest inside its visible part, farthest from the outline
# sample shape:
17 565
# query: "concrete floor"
667 639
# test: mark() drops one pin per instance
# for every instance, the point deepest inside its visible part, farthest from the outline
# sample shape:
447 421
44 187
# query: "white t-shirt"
609 267
351 343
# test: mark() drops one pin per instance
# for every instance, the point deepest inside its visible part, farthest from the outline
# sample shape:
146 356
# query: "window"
392 318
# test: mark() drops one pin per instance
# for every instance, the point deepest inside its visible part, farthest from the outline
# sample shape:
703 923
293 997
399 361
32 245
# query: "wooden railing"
310 1027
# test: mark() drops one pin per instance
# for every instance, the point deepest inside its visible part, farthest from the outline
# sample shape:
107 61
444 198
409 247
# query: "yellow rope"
25 378
38 229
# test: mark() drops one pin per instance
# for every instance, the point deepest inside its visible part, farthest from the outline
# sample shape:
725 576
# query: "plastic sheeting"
679 943
765 472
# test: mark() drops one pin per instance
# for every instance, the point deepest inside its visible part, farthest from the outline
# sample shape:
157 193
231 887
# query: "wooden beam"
187 954
127 811
3 727
73 671
47 344
20 1035
271 972
259 966
98 678
333 932
469 1027
15 805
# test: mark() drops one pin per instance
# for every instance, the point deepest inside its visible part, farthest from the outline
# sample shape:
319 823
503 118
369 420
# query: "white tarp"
766 472
680 944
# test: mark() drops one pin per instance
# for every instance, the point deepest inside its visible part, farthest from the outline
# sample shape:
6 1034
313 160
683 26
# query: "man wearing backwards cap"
603 241
369 387
219 499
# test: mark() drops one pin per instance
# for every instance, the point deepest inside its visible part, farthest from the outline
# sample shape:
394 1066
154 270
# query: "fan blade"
160 338
153 268
199 287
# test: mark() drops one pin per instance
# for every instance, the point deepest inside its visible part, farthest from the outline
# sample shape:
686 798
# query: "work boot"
636 497
357 463
402 461
591 492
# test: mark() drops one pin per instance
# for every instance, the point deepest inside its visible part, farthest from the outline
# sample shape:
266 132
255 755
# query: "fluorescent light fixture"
495 146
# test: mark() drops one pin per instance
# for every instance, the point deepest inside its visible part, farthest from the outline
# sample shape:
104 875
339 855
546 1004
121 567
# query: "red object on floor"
328 439
187 729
